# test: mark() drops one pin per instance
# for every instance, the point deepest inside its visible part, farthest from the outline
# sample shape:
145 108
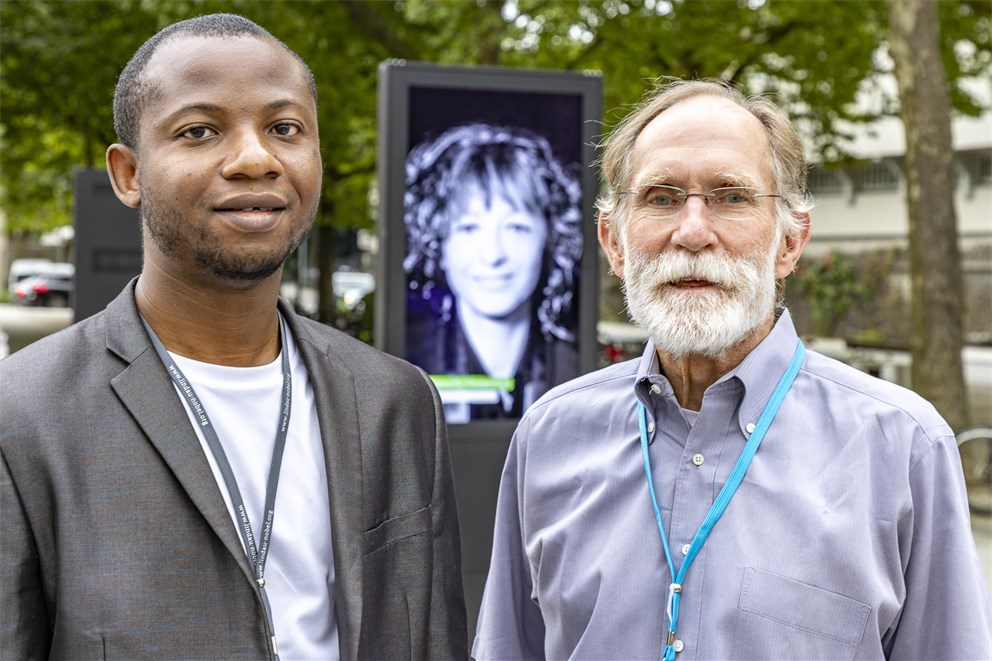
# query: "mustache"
668 268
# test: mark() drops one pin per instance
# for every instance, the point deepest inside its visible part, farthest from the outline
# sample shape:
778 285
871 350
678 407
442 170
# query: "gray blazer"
115 542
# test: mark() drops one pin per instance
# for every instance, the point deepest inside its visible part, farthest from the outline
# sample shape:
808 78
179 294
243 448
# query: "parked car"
23 268
50 290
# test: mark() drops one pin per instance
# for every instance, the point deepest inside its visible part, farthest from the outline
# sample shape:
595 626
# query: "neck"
237 327
691 375
499 343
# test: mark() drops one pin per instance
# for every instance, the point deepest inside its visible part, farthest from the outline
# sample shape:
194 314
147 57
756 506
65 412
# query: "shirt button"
656 389
749 427
685 549
678 646
650 427
698 459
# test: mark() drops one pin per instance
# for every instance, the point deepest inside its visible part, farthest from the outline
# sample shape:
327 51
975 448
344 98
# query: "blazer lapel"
147 392
337 414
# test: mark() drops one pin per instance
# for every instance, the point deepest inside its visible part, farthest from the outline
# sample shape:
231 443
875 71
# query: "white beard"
694 322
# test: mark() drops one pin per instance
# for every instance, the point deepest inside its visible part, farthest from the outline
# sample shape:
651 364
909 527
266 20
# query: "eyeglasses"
730 203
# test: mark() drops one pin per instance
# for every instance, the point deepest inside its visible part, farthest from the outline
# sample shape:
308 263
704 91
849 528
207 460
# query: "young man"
197 472
729 495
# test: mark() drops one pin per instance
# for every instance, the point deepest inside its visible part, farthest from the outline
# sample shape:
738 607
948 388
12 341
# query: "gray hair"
788 160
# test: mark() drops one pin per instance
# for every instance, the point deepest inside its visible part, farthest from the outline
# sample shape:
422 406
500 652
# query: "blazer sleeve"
448 625
24 629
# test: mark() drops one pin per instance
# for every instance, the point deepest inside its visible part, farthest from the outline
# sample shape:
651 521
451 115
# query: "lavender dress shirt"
848 539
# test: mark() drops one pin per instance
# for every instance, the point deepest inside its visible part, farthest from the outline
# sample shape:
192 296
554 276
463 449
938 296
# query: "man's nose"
252 157
695 225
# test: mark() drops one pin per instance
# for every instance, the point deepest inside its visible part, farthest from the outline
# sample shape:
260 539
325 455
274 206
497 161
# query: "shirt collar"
762 369
759 372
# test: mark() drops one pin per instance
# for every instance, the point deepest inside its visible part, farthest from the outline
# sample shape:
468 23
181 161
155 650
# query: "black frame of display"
397 79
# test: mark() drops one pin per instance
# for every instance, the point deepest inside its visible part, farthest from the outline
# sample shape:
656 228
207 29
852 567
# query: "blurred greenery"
59 63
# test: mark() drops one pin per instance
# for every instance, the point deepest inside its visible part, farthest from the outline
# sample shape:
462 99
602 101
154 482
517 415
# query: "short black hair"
133 91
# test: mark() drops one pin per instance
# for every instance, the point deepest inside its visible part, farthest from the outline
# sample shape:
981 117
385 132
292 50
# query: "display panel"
487 233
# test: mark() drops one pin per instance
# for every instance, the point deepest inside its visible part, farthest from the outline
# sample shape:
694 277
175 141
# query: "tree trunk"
935 261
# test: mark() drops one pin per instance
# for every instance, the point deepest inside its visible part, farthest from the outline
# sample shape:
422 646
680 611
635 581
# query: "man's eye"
733 197
661 198
286 129
199 133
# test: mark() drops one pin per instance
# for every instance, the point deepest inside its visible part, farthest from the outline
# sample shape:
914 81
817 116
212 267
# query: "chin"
242 272
242 268
708 325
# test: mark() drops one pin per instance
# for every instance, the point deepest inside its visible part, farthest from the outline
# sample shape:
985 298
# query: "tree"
59 67
935 261
60 61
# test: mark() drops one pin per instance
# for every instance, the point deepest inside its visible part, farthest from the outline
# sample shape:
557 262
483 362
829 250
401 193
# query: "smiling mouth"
494 278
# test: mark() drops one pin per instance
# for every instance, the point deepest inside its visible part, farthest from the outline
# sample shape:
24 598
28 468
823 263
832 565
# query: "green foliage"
834 284
60 60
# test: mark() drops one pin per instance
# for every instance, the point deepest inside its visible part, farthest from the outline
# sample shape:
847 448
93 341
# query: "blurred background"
897 279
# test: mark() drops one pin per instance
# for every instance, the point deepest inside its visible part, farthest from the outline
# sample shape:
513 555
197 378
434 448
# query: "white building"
864 207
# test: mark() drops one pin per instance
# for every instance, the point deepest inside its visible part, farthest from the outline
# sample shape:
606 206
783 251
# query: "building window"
984 170
877 177
825 181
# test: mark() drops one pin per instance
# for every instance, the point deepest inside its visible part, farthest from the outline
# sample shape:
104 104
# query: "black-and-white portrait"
494 232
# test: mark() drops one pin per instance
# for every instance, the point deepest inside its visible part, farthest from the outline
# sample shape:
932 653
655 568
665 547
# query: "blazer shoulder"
355 355
59 352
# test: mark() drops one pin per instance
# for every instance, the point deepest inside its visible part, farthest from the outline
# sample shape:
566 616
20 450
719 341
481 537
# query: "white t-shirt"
243 404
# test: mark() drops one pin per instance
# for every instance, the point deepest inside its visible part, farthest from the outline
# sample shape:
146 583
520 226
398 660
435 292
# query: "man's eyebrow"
664 178
735 179
214 109
209 108
282 103
656 178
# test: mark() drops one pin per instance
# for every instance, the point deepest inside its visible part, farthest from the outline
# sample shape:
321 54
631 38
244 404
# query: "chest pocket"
779 618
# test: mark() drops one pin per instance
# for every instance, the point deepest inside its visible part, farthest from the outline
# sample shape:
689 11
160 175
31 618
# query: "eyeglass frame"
682 196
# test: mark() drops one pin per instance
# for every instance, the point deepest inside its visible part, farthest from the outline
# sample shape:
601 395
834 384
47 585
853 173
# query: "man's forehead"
193 56
703 129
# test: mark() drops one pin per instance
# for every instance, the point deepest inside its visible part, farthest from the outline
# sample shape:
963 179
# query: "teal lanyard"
722 500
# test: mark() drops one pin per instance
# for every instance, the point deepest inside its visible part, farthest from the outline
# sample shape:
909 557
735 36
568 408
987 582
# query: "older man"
728 495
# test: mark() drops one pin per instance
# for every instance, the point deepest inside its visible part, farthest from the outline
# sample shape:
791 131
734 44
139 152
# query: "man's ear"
122 166
792 247
609 239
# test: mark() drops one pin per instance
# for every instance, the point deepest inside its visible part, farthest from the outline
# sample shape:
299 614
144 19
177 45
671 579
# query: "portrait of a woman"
494 235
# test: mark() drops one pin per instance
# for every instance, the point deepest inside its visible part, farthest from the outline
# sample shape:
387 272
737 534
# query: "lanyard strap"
256 554
722 499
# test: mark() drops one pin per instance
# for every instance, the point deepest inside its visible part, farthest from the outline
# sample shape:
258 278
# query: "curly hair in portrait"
515 164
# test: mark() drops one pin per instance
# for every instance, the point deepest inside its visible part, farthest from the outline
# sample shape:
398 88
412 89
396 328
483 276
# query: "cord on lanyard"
722 499
257 554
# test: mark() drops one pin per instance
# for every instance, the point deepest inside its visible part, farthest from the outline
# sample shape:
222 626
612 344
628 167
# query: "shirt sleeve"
946 614
510 624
